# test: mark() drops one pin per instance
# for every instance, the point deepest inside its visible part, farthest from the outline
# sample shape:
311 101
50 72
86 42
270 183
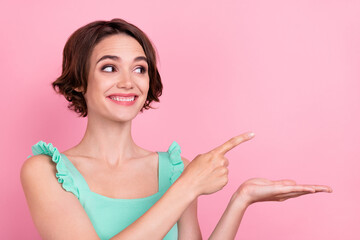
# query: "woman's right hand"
208 173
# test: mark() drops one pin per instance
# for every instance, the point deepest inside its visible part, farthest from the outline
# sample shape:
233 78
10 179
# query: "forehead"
121 45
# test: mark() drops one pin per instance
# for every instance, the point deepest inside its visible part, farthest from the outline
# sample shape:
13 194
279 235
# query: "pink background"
287 70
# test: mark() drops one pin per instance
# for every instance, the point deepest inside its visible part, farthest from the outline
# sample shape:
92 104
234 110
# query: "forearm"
229 222
162 216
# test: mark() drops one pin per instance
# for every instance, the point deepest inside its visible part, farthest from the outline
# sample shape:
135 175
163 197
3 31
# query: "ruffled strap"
177 165
63 175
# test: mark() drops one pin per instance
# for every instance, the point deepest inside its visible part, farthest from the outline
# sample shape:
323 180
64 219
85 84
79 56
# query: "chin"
126 116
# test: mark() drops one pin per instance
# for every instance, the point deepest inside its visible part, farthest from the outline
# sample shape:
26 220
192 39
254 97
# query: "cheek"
95 89
147 87
144 86
100 84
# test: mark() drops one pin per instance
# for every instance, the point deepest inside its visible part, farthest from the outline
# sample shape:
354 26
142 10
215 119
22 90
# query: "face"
118 80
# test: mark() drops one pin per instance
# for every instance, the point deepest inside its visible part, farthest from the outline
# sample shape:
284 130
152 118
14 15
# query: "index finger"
233 142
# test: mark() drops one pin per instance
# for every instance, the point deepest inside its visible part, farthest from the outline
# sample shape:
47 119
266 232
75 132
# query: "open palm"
261 189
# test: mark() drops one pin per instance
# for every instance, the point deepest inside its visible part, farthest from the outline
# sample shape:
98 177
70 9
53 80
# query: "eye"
142 69
108 68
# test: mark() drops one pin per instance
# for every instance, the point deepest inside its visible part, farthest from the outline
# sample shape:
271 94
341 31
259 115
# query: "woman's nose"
125 81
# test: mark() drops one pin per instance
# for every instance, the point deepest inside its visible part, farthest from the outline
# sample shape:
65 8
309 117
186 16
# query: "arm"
57 214
188 224
229 222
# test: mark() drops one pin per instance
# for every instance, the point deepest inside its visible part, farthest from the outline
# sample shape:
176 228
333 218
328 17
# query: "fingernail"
251 134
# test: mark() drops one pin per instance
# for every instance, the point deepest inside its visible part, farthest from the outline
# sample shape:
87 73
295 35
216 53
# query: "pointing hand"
208 173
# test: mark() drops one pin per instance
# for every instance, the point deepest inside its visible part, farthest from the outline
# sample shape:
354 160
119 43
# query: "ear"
79 89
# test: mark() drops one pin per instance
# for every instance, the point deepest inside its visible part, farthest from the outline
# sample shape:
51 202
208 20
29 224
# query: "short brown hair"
76 55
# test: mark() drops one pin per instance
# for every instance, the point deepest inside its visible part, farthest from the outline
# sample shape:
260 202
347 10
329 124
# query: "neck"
108 141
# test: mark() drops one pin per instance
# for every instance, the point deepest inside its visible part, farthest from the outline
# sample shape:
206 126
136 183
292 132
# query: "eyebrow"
116 58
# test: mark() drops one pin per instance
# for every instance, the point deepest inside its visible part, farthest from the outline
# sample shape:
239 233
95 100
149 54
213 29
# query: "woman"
110 188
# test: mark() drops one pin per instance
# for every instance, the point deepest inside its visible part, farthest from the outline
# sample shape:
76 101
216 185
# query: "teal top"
110 216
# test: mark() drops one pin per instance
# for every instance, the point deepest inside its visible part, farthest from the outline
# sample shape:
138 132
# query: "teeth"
125 99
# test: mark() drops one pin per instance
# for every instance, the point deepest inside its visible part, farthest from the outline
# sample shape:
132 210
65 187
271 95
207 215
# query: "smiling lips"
123 99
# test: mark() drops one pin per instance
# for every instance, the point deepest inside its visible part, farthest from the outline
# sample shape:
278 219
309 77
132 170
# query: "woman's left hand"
261 189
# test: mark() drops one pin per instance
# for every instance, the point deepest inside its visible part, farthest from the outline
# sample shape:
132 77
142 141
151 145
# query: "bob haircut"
76 55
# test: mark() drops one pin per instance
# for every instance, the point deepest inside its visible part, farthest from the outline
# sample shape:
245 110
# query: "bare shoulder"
36 165
48 202
38 170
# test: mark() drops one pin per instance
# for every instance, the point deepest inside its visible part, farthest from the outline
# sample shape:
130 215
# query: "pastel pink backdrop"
287 70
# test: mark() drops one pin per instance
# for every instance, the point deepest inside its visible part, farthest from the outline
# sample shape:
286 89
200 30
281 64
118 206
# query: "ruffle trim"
62 174
177 165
